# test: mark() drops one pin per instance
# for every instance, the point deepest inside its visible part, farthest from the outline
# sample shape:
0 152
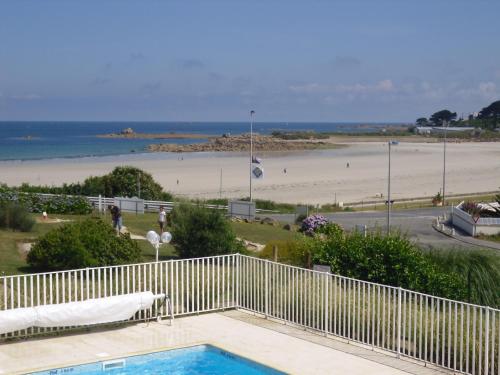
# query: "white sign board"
243 209
135 205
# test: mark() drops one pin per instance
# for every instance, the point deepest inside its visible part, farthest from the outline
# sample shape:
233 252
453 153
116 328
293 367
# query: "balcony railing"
450 334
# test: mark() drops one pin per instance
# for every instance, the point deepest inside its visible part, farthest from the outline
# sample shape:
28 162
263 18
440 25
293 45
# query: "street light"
156 240
390 143
445 126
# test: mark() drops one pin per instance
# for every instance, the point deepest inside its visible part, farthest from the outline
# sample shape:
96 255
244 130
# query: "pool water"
201 359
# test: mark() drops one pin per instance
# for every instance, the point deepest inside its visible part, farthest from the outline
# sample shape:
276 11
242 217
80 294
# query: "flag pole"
251 150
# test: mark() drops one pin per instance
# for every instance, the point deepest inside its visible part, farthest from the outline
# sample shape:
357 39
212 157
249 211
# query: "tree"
493 110
444 115
125 181
491 114
422 121
200 232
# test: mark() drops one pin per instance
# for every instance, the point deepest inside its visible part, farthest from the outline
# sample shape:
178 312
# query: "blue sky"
216 60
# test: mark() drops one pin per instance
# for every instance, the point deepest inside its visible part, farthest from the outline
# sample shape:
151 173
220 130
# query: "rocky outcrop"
127 131
242 143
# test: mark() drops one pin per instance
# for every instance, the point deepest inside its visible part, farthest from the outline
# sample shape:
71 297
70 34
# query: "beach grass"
493 237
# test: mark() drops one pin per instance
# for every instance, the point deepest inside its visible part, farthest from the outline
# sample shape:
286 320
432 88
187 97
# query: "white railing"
149 206
193 286
455 335
457 210
450 334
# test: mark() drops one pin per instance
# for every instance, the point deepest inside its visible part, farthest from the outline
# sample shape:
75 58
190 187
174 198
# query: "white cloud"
356 88
308 88
385 85
486 90
25 97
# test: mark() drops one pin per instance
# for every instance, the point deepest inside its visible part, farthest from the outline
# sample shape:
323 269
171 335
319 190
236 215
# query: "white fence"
149 206
454 335
474 227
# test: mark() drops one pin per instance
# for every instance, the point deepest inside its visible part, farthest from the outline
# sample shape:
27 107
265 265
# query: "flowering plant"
55 204
311 223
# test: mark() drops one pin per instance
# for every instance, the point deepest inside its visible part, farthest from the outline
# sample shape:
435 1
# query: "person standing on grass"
162 218
116 216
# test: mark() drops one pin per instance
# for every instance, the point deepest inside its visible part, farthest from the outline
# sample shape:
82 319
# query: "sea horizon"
39 140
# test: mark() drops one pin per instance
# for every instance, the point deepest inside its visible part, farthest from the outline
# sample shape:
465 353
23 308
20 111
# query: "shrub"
479 268
217 201
16 217
289 252
312 223
88 243
300 218
390 260
197 232
60 204
122 181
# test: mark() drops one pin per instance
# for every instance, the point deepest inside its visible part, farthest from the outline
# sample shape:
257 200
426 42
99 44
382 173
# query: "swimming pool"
201 359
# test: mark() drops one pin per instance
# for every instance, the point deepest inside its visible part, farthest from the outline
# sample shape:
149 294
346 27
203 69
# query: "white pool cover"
83 313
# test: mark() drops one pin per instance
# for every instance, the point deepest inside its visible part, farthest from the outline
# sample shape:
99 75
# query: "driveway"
416 223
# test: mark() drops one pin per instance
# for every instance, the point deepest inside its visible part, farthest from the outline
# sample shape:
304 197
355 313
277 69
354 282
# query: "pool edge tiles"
186 359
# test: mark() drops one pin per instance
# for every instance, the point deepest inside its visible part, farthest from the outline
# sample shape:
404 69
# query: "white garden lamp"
155 240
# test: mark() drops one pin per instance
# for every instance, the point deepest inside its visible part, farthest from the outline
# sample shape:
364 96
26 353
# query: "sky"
325 61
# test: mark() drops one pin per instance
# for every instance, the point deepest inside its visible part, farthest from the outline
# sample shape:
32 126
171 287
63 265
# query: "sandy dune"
312 176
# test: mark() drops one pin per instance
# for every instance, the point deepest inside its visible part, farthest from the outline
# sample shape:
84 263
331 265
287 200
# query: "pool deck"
274 344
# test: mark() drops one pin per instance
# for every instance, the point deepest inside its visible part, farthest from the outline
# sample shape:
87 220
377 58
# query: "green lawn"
11 261
261 233
255 232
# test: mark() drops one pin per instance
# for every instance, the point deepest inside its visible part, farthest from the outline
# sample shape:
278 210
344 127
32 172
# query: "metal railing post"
266 291
399 321
238 257
486 341
325 288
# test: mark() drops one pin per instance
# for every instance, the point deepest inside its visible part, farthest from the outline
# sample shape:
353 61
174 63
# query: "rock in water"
127 131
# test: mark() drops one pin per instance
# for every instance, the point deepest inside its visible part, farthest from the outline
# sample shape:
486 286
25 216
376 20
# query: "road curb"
462 239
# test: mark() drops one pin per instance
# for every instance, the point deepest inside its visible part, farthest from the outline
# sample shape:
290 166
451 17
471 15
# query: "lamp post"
445 126
252 113
156 240
390 143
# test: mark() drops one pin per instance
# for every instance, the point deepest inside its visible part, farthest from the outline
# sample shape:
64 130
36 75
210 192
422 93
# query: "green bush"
199 232
122 181
300 218
16 217
479 268
385 259
87 243
58 204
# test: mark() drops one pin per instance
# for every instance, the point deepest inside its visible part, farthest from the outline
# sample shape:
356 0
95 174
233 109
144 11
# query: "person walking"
116 216
162 218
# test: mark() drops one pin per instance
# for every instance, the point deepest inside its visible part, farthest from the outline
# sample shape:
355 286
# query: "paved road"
417 223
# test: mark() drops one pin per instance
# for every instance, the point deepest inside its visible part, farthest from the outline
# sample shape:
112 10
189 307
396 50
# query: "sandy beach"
311 176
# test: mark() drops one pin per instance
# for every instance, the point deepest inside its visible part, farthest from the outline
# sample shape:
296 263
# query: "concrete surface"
283 347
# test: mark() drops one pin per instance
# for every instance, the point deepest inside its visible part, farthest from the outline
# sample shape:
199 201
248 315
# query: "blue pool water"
201 359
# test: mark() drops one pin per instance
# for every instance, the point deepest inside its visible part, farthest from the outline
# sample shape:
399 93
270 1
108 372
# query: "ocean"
48 140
